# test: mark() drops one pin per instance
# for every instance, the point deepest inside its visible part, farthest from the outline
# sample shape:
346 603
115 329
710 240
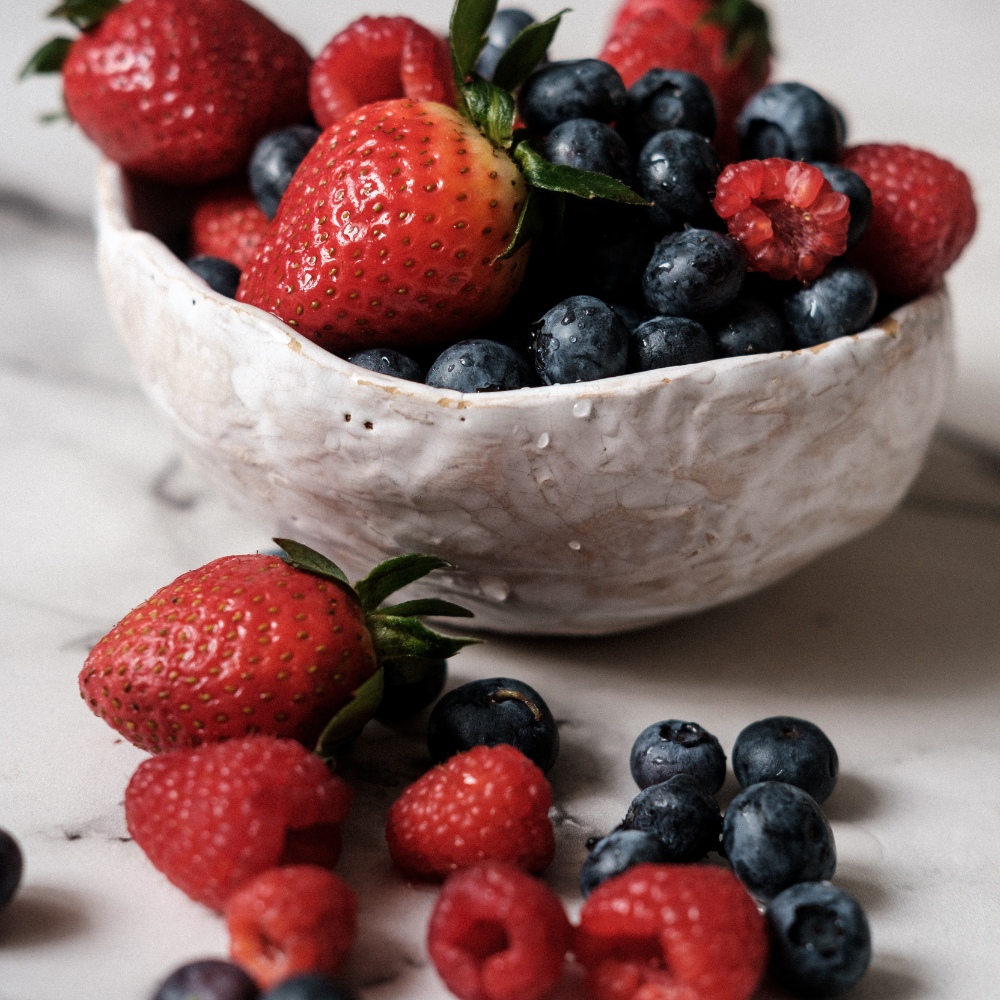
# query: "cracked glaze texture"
570 509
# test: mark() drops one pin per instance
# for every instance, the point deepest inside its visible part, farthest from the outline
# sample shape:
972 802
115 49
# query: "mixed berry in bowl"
467 213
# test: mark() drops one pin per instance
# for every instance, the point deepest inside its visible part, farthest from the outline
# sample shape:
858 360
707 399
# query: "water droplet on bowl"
494 588
575 546
582 408
543 441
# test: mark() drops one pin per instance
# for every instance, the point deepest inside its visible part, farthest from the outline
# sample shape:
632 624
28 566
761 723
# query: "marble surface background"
891 643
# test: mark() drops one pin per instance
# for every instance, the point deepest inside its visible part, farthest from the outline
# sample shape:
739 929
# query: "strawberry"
257 644
406 224
376 59
178 91
924 215
725 42
228 223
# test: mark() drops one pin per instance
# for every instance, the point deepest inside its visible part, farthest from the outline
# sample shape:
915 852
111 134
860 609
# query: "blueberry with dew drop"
387 361
589 145
479 366
673 747
668 341
677 170
694 273
580 340
747 327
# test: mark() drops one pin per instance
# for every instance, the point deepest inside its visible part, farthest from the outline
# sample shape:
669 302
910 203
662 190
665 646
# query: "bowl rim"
112 212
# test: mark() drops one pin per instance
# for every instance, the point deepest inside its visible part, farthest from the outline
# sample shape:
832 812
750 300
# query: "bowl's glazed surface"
571 509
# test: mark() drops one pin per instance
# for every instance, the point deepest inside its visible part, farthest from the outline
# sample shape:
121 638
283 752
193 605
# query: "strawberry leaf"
302 557
393 575
85 13
399 636
426 606
540 173
347 724
467 35
747 31
48 59
491 110
530 223
525 52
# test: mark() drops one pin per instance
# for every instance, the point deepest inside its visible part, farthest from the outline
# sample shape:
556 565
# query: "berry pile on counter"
659 206
248 677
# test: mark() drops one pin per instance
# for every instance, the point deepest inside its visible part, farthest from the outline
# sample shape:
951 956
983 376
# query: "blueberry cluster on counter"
613 289
774 835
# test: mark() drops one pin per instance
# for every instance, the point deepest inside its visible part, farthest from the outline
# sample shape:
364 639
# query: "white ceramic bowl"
571 509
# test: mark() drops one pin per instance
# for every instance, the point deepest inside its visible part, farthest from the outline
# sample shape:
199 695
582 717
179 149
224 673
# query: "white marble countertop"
891 644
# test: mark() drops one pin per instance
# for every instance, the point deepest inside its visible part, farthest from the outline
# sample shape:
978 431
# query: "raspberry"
924 215
292 920
379 59
672 932
488 804
213 818
228 223
786 216
498 934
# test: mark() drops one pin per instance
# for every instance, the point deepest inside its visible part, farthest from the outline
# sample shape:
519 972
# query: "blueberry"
589 145
617 852
840 302
489 712
311 986
479 366
579 88
681 814
792 121
506 25
848 182
274 162
11 867
775 836
211 979
668 99
411 684
677 171
667 341
783 748
748 327
579 340
386 361
694 273
820 940
673 747
220 275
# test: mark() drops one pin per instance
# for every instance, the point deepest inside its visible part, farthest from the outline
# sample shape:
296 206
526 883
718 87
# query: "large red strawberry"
178 90
259 644
725 42
377 59
406 223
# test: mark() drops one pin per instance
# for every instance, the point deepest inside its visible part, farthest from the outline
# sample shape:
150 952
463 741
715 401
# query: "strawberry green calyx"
491 108
396 631
82 14
747 31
